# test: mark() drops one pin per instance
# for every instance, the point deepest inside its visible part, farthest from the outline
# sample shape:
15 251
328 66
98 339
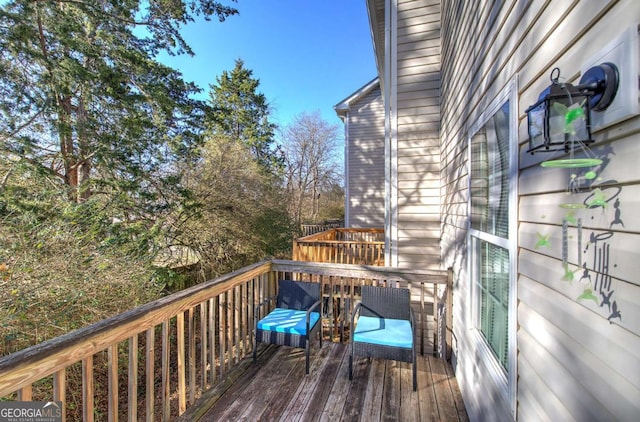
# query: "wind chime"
560 122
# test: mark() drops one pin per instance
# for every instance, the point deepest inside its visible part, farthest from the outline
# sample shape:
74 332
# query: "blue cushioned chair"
385 327
295 319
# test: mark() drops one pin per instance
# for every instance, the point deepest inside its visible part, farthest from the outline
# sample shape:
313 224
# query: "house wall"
365 161
576 359
415 126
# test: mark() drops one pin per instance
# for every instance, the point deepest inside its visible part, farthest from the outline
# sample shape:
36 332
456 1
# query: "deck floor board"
275 388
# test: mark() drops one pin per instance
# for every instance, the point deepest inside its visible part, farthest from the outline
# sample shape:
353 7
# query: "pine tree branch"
22 126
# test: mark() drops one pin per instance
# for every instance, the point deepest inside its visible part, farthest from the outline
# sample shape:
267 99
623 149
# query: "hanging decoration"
560 121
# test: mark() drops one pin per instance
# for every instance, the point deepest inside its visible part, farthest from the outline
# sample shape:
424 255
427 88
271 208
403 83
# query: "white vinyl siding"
365 161
417 92
574 362
576 359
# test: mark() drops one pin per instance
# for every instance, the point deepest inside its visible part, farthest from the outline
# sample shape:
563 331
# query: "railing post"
295 253
449 314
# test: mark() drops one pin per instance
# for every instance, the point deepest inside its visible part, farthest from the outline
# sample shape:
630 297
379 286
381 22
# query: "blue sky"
308 55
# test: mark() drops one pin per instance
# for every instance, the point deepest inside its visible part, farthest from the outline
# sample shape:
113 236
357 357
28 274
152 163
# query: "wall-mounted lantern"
561 118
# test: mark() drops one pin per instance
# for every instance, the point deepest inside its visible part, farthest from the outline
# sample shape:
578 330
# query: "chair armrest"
261 304
308 316
412 319
315 305
356 309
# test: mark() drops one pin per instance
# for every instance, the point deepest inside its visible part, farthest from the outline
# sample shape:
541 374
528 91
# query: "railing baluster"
212 339
25 393
150 374
192 356
182 396
112 380
222 333
133 379
203 345
231 327
166 387
87 389
237 320
60 390
251 302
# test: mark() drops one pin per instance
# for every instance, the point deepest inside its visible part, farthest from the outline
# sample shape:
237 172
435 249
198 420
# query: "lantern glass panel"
568 120
536 118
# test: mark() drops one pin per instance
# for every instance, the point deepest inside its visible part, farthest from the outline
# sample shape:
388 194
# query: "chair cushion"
384 331
289 321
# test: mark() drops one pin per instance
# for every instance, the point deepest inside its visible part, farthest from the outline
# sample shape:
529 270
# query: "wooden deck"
276 388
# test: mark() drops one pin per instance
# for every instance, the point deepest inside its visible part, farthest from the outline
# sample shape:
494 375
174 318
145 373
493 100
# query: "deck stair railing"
309 229
154 361
342 246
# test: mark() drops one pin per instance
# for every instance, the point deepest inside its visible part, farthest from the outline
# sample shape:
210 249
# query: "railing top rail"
360 230
332 231
329 233
361 271
305 241
33 363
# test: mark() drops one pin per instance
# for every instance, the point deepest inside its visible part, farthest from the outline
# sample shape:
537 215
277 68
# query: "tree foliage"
62 265
108 164
83 98
241 112
93 133
241 218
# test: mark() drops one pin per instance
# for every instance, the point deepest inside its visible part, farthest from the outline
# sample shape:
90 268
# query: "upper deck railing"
309 229
154 361
342 246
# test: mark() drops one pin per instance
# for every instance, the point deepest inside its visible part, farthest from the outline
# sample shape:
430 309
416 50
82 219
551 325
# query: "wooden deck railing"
158 358
309 229
342 246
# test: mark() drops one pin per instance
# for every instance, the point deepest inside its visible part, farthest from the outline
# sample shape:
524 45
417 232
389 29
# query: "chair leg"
414 364
415 377
255 347
306 370
351 366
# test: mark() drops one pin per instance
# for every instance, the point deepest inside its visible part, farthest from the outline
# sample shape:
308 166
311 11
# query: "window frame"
505 379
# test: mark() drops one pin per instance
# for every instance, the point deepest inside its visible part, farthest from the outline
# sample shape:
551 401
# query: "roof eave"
343 107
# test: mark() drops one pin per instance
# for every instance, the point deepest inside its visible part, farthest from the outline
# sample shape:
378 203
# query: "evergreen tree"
93 131
83 100
241 112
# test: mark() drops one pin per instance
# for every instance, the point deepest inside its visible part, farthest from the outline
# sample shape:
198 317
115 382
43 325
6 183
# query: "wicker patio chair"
385 327
295 319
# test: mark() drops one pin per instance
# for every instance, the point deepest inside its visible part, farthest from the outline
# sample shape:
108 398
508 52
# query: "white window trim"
505 379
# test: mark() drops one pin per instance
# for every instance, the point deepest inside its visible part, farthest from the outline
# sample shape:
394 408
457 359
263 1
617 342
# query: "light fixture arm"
602 81
561 118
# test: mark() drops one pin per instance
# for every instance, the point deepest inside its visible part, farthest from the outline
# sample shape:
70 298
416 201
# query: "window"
490 229
492 245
